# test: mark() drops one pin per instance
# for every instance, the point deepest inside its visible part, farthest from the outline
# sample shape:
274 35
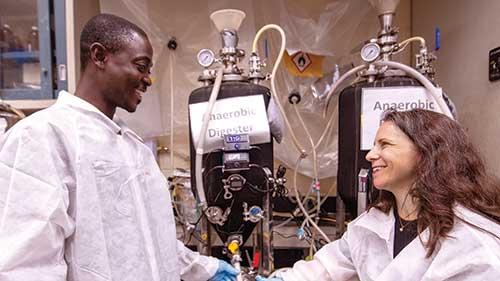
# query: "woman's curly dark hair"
449 171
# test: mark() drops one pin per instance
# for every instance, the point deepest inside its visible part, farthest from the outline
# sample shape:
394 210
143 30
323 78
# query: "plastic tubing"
172 63
301 150
301 206
296 211
273 77
422 79
329 96
201 139
336 85
403 44
303 202
416 38
309 137
409 70
315 162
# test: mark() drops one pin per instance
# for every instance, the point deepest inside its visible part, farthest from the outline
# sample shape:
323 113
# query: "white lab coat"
365 253
82 199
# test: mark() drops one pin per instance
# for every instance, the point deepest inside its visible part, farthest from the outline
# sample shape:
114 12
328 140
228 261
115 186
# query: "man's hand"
225 272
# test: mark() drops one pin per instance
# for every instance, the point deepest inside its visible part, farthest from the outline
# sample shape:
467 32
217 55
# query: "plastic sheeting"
329 28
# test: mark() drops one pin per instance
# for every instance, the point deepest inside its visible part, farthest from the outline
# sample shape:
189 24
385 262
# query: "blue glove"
259 278
225 272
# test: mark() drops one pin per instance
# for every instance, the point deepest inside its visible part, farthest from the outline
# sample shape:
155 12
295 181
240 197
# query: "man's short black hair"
111 31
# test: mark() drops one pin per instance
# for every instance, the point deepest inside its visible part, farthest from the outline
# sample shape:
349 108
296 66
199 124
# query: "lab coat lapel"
410 264
377 222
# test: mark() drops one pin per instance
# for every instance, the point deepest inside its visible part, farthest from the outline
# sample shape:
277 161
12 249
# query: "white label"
374 101
238 115
3 125
62 72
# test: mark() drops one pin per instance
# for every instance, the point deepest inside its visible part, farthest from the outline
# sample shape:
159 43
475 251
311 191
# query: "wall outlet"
494 64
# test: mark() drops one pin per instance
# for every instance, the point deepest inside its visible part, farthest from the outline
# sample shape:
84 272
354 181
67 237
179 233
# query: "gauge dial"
205 57
370 52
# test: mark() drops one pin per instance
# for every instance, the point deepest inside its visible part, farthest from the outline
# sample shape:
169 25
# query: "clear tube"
422 79
201 140
404 43
309 137
172 63
336 85
273 78
306 214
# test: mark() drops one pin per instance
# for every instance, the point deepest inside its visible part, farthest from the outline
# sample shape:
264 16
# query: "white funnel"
227 19
384 6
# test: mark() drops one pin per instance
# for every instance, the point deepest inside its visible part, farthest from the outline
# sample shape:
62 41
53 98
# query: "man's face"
128 74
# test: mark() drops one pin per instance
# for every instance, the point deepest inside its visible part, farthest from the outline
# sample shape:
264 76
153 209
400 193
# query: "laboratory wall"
78 12
469 30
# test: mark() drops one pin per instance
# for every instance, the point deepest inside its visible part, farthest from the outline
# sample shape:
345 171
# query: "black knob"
294 97
281 171
172 43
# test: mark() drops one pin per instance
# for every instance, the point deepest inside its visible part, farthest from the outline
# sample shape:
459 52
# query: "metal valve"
254 214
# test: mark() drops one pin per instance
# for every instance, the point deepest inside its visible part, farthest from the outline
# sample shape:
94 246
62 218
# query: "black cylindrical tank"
351 157
261 155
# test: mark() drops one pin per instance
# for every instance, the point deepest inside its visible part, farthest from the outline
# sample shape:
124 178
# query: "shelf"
30 106
21 57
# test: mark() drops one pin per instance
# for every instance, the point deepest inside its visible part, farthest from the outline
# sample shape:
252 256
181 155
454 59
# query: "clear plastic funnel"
384 6
227 19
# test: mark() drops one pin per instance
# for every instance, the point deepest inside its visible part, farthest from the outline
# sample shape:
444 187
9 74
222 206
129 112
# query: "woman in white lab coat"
437 218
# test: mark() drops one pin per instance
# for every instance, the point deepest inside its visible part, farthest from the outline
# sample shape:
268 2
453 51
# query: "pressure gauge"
370 52
205 57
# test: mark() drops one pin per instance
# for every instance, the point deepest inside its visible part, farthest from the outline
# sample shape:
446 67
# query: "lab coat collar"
382 224
117 125
476 219
377 222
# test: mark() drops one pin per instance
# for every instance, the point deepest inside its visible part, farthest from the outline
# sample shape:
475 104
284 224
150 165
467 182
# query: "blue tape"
437 39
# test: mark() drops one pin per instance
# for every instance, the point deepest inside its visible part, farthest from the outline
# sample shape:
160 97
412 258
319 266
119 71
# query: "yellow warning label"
303 64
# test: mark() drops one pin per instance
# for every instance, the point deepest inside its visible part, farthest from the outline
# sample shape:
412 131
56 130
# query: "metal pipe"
267 258
205 245
340 216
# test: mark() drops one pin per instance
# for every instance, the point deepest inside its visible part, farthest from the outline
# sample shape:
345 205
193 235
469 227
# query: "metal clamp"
216 216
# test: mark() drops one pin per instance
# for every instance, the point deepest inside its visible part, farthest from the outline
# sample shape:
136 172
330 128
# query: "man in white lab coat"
81 196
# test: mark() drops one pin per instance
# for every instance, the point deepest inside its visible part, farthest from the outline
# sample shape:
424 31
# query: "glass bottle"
33 39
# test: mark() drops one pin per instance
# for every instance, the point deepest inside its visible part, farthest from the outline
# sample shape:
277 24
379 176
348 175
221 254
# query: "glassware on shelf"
9 42
32 44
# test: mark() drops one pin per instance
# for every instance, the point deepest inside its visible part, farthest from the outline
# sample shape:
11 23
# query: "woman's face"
394 159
